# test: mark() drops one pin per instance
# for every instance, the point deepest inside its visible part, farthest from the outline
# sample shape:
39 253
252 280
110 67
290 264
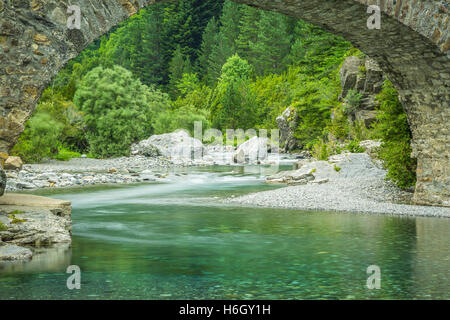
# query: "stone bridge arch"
412 48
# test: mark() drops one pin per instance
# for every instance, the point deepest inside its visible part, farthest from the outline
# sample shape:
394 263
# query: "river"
177 240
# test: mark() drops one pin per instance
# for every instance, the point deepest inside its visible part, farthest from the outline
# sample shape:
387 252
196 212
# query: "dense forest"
225 64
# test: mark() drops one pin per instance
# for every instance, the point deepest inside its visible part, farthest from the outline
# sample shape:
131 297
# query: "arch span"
412 48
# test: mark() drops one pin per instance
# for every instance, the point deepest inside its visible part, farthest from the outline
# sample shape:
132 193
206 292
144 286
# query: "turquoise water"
175 240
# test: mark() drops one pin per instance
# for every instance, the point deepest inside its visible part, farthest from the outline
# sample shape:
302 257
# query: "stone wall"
412 49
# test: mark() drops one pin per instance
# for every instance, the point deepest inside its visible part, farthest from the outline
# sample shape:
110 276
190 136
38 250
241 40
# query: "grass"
16 220
65 155
3 227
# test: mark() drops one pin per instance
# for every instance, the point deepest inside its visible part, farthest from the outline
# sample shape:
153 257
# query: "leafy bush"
320 151
393 128
233 103
339 126
118 110
354 147
40 139
181 118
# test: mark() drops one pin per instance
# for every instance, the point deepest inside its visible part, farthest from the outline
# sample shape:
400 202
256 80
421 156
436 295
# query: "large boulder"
366 78
145 148
287 122
178 144
35 221
254 149
13 163
2 181
349 74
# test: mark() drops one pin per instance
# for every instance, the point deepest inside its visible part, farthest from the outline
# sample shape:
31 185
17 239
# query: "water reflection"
45 260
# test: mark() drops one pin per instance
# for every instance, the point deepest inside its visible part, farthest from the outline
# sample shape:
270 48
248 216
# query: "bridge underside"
412 48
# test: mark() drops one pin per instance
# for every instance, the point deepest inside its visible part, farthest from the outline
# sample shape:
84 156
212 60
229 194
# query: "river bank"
346 183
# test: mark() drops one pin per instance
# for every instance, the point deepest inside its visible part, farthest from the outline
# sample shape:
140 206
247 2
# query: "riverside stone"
254 149
13 163
412 48
287 123
178 145
32 221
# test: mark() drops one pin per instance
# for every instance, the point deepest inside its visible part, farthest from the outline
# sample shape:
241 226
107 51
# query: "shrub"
352 101
392 127
118 110
320 151
65 154
233 103
354 147
40 139
339 126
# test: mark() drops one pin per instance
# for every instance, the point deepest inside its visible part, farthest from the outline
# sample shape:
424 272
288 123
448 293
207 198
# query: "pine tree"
225 41
248 32
177 67
273 44
208 44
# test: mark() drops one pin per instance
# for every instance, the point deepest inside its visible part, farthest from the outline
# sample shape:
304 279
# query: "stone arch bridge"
412 48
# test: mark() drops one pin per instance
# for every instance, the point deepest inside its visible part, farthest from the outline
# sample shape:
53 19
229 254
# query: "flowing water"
176 240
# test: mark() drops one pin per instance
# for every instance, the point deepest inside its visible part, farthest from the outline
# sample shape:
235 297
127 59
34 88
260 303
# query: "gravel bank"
359 186
86 171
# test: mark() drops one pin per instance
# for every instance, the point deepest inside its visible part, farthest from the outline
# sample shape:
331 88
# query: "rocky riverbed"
85 171
347 182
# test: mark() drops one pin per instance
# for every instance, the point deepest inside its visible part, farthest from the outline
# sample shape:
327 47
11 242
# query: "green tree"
233 103
117 110
248 33
225 41
209 41
273 43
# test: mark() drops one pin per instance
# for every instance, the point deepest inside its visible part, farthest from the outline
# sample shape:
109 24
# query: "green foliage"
337 169
233 102
320 151
16 220
181 118
65 154
339 126
17 212
40 138
268 53
352 101
118 110
392 127
3 227
354 147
